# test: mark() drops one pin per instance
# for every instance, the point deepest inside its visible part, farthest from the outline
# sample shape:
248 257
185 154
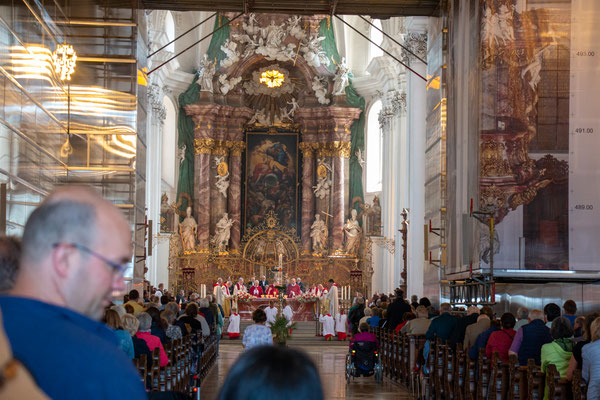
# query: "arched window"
169 144
170 31
374 149
377 37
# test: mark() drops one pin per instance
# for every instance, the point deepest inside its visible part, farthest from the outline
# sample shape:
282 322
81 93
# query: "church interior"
441 149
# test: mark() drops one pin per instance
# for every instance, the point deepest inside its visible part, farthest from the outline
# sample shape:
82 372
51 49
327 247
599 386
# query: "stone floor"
331 364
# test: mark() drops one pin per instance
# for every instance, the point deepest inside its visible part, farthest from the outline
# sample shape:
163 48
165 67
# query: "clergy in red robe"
293 290
272 290
256 290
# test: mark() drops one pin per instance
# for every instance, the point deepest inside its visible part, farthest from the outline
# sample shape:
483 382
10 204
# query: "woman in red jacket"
500 341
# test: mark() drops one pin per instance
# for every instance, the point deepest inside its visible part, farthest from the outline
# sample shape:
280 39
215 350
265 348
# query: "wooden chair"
428 379
535 381
405 364
155 370
558 388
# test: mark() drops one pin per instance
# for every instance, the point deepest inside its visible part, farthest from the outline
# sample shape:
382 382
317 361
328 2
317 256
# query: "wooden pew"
498 388
460 372
517 379
535 381
483 375
448 372
470 378
438 378
558 388
579 386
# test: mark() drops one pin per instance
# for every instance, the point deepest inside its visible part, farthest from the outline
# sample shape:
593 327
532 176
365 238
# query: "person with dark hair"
129 309
414 301
75 249
501 340
134 301
396 310
409 316
570 308
272 373
530 338
159 326
551 311
164 300
424 301
257 334
355 314
560 350
10 251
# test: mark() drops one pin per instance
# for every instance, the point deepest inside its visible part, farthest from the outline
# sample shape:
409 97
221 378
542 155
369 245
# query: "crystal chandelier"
64 59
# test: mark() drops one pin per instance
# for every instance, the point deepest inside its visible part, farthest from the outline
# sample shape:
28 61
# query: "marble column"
203 149
308 197
218 202
234 200
420 274
340 155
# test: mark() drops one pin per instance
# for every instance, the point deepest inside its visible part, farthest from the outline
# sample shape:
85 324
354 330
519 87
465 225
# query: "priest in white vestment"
271 312
333 298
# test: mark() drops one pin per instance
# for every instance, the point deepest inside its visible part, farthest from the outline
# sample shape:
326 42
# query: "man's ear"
61 260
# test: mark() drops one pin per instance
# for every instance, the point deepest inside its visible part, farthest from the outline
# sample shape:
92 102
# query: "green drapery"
353 99
185 124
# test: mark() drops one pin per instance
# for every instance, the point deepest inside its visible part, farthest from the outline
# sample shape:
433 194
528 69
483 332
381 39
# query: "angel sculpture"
181 154
230 49
222 176
341 77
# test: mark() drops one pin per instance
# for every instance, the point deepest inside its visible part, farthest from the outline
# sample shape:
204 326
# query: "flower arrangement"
307 298
244 297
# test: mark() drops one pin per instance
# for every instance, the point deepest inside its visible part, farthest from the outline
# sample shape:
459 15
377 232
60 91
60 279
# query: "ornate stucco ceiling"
375 8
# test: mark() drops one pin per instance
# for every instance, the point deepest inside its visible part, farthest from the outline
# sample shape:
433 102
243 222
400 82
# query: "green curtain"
353 99
185 125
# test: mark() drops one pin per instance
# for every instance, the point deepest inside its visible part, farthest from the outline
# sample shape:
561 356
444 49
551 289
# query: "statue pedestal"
339 100
206 97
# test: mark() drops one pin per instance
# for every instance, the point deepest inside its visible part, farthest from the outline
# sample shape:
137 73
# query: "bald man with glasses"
76 247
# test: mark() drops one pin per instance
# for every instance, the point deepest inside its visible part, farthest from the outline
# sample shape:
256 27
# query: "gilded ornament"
222 168
236 148
321 171
492 160
203 146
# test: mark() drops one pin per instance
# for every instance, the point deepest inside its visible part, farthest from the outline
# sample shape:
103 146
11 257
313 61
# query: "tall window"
170 31
169 144
377 37
374 149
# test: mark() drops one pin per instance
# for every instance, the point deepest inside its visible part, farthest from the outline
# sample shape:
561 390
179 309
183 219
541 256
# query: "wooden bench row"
190 359
453 375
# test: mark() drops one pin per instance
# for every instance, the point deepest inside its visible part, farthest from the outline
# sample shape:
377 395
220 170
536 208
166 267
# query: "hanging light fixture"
64 59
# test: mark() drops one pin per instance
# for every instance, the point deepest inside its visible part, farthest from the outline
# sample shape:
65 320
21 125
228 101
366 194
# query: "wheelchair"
363 360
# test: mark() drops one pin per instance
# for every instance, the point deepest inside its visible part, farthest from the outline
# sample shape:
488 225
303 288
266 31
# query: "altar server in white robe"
287 312
332 295
328 326
233 330
219 292
341 327
271 312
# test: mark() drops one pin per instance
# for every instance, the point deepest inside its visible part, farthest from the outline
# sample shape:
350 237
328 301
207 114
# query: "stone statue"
319 234
230 50
187 230
320 90
341 77
167 216
352 233
222 233
206 71
372 218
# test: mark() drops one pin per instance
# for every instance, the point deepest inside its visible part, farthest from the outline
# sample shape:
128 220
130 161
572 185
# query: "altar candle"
280 260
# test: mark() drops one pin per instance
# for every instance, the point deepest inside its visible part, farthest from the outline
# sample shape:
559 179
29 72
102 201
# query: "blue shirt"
257 335
69 355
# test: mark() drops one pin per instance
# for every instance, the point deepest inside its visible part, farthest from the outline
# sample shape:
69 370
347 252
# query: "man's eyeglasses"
119 269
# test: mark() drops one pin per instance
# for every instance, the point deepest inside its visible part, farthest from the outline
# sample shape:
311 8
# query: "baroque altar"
268 168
